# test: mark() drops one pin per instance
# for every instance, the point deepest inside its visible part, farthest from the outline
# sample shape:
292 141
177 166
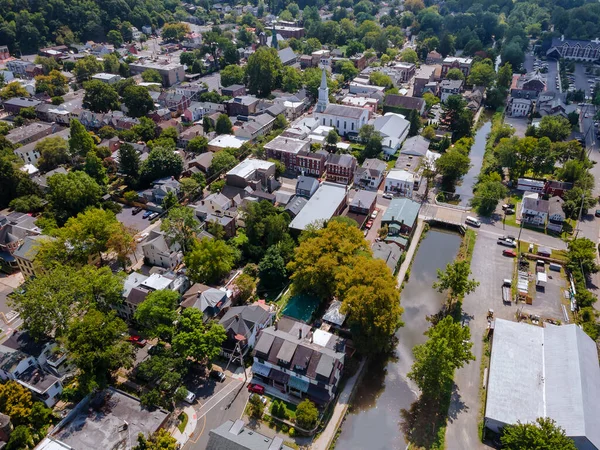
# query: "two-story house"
393 129
13 230
26 253
196 110
306 186
159 250
370 174
400 182
300 361
219 209
556 215
401 219
450 87
295 154
534 211
340 168
210 301
453 62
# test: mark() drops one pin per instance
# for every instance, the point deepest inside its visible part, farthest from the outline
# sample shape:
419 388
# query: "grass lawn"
392 162
183 420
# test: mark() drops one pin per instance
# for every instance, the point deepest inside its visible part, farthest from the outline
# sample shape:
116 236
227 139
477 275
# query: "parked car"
374 214
256 388
142 237
505 240
136 210
509 252
153 216
369 224
597 213
147 214
190 397
217 375
388 196
137 340
509 211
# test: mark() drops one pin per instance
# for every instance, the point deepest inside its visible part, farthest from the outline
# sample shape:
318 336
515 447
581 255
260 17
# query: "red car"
137 340
369 224
509 252
256 388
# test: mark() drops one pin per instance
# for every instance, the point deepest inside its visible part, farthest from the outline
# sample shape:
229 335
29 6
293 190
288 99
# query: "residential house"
574 49
345 119
528 86
14 228
405 70
333 316
400 182
295 154
235 90
226 141
401 219
531 185
219 209
16 104
554 106
294 205
287 56
244 105
108 78
556 215
199 163
255 173
363 202
191 90
255 127
188 134
340 168
20 68
196 110
423 76
534 211
557 188
30 133
520 107
170 72
306 186
389 253
160 189
450 87
393 129
329 201
288 32
370 174
242 325
161 115
26 253
42 180
236 436
174 101
210 301
453 62
433 57
302 362
364 89
403 105
160 250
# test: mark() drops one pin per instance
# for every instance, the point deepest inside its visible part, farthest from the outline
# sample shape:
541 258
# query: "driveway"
518 123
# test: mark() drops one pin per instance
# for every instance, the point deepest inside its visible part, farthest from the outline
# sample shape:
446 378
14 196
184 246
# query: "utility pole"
580 212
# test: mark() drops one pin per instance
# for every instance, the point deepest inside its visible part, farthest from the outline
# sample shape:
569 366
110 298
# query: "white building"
345 119
158 251
323 100
108 78
400 182
394 130
520 107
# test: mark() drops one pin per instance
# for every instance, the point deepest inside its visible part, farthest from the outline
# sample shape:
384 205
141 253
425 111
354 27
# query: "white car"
153 216
388 196
190 397
142 237
374 214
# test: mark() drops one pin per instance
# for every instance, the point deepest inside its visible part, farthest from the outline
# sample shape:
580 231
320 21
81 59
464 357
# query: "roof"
392 127
227 140
287 55
400 175
402 210
19 134
235 436
29 248
306 183
416 146
233 87
295 205
22 102
350 112
364 199
241 319
555 368
388 253
555 205
248 167
538 205
287 144
404 102
451 84
373 164
321 206
333 314
343 160
101 424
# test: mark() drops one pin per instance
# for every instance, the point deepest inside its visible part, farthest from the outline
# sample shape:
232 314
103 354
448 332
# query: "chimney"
299 333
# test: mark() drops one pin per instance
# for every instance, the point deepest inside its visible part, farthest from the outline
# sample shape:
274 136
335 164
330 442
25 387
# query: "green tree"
453 165
106 132
505 76
482 74
415 122
160 440
307 414
115 38
181 226
380 79
13 89
190 186
408 55
544 434
331 140
581 255
430 100
53 152
157 314
86 67
291 79
222 162
138 101
271 269
111 63
94 168
372 141
16 402
81 141
71 193
151 76
347 69
489 192
175 32
263 71
146 129
223 125
97 349
455 74
280 122
455 280
169 201
210 260
161 162
555 128
20 438
53 84
266 226
231 75
196 339
447 45
448 348
129 163
513 54
256 407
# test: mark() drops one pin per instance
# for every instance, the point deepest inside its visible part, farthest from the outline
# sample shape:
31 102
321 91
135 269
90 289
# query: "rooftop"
235 436
227 140
19 134
402 209
321 206
287 144
350 112
248 167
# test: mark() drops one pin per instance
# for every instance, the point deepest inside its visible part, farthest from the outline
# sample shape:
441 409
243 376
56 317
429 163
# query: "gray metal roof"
287 350
235 436
350 112
402 210
321 206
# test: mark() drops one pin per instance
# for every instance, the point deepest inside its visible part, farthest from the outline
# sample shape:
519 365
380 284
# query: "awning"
260 369
298 384
279 377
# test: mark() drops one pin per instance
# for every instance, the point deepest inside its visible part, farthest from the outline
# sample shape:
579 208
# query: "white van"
472 221
190 397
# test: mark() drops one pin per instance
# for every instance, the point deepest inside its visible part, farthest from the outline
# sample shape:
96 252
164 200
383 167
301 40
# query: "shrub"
292 432
307 414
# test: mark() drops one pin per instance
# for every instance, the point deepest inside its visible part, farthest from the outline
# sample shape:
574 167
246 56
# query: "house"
370 174
244 105
255 127
288 32
389 253
393 129
160 250
364 89
287 56
188 134
534 211
16 104
345 119
403 105
363 202
242 325
400 182
219 209
174 101
557 188
450 87
4 53
14 228
20 68
110 409
42 180
30 133
528 184
26 253
401 219
199 163
556 215
405 71
453 62
251 172
433 57
555 368
210 301
294 205
235 436
340 168
170 72
235 90
160 189
423 76
299 361
295 154
226 141
306 186
574 49
328 201
196 110
108 78
520 107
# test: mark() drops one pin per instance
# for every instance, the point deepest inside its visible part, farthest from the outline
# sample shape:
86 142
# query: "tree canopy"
544 434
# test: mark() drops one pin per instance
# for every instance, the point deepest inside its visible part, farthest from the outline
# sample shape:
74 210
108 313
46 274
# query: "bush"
278 409
307 414
292 432
256 407
130 196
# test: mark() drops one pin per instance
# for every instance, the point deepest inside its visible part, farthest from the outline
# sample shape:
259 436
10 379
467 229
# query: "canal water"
373 422
465 189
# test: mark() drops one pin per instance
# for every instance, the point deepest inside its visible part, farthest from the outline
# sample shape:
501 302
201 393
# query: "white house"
534 211
450 87
556 215
370 174
159 251
345 119
400 182
393 129
520 107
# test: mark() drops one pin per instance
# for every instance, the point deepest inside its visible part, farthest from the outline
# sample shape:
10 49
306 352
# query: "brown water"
373 422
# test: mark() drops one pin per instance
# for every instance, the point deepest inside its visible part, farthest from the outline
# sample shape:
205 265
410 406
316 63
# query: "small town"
351 225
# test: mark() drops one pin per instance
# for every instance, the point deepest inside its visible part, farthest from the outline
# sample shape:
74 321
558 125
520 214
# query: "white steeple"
323 100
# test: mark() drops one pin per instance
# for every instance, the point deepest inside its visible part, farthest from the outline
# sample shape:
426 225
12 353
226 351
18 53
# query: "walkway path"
414 243
324 440
182 438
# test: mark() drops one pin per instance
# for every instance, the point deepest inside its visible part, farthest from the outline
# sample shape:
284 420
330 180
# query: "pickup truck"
507 241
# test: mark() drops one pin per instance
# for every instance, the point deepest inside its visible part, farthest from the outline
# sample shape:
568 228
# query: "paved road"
551 75
581 79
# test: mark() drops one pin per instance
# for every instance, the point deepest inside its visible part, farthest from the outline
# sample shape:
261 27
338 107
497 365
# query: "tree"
54 84
190 186
53 152
86 67
231 75
146 129
256 407
447 45
222 162
372 141
175 32
13 89
380 79
71 193
138 101
331 140
455 280
271 269
581 255
448 348
347 69
244 287
115 38
453 165
20 438
161 162
181 226
482 74
489 192
160 440
291 80
94 168
415 122
513 54
263 71
106 132
16 402
111 63
81 141
504 76
544 434
371 300
307 414
223 125
196 339
151 76
455 74
129 163
266 226
280 122
555 128
157 314
210 260
430 100
96 347
408 55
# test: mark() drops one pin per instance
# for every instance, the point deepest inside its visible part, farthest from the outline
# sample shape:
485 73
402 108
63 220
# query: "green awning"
298 384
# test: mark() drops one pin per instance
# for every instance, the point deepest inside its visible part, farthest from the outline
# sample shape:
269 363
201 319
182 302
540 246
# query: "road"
551 84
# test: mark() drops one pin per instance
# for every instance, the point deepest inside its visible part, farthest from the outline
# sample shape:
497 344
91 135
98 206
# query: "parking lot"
137 222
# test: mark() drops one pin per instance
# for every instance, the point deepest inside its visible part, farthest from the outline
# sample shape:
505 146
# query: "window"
352 126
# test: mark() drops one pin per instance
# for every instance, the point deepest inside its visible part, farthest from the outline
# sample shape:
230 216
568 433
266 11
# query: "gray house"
306 186
235 436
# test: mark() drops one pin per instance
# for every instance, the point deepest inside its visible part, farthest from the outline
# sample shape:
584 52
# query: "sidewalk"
190 427
324 440
414 243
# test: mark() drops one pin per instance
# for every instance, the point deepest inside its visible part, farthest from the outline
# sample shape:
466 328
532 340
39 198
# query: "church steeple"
323 100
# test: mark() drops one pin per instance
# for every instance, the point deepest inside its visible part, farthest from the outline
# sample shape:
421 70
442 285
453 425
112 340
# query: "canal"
465 188
373 421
